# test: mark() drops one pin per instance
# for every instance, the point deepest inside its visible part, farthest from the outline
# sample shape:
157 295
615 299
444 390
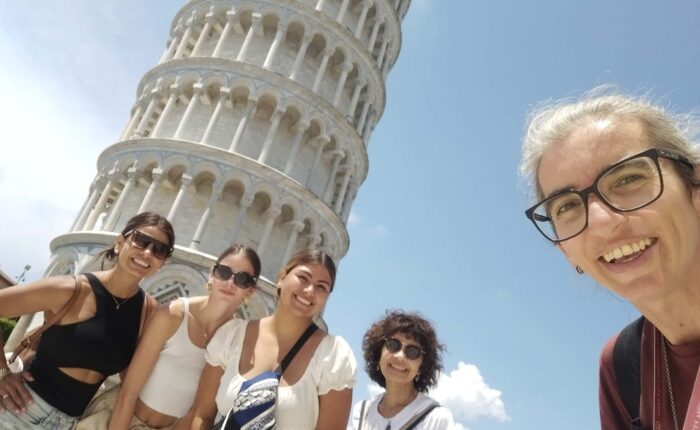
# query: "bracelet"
4 371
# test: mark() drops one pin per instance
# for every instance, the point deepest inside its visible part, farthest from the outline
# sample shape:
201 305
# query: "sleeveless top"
173 382
103 343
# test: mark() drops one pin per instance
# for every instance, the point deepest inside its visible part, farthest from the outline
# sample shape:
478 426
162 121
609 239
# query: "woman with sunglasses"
403 355
315 389
161 383
617 181
96 337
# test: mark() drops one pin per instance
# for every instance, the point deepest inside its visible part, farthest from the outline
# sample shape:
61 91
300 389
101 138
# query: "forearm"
123 411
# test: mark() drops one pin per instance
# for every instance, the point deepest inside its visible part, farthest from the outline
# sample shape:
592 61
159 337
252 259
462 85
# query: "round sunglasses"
393 345
223 272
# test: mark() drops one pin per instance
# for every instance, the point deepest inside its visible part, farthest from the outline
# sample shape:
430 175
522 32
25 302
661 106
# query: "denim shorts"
39 415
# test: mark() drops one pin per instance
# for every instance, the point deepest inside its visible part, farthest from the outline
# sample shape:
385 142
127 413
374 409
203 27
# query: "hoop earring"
579 270
116 250
209 286
245 301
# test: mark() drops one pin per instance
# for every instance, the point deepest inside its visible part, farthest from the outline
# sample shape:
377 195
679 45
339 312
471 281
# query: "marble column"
185 181
209 22
343 189
359 84
272 52
243 205
116 209
251 103
254 25
382 51
131 124
230 17
363 117
215 195
302 126
170 50
197 91
90 223
169 105
185 39
366 4
322 69
321 142
156 174
343 10
295 228
274 124
94 193
147 115
375 31
336 156
220 105
272 213
346 68
305 41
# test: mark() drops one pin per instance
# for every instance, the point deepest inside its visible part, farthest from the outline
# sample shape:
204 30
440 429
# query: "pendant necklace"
117 303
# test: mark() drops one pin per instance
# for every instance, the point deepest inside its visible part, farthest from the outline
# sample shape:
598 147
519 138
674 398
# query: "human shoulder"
439 418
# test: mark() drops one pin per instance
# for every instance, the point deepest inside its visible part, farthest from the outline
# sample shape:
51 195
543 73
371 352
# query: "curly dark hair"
413 326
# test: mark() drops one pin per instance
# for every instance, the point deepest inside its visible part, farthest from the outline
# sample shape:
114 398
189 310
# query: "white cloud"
380 230
465 393
354 219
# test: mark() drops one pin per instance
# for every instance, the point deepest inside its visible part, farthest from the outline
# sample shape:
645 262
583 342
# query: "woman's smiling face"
669 228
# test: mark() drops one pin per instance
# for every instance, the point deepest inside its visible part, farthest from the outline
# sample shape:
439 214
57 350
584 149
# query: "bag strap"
626 363
145 312
363 414
297 346
419 417
30 338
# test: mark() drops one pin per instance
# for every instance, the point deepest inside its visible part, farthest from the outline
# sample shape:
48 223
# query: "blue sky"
438 225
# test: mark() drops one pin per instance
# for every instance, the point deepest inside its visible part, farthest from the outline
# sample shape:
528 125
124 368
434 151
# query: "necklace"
117 303
668 380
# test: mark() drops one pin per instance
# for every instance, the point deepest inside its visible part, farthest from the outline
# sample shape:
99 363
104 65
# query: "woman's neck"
212 314
676 315
288 326
120 283
396 397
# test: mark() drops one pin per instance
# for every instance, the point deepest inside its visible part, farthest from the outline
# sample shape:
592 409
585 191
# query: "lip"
640 260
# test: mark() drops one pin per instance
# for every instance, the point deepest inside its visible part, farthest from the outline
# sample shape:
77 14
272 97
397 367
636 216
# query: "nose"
602 216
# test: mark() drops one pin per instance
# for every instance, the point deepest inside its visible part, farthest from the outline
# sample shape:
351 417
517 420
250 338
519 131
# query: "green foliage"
6 326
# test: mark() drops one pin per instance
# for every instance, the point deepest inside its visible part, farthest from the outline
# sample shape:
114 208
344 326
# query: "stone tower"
252 128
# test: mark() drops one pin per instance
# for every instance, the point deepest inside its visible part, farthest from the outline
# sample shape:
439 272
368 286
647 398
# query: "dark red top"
683 362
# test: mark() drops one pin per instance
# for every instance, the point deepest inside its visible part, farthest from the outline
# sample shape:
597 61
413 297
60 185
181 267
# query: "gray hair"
553 122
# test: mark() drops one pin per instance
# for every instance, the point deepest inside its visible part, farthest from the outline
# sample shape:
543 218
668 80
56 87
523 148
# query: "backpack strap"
297 346
419 417
626 364
363 414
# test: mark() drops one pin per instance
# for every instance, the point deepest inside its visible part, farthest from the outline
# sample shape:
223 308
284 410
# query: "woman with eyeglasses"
313 390
162 380
617 185
403 355
95 338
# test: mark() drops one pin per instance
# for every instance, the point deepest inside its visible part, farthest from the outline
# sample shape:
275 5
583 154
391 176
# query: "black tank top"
104 343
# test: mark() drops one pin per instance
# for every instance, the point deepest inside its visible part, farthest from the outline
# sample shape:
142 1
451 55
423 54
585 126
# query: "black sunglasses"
141 240
394 345
242 279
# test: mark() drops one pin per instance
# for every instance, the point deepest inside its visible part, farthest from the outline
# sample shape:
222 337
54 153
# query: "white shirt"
332 367
439 418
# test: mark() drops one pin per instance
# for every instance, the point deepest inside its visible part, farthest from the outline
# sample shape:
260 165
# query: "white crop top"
173 383
332 367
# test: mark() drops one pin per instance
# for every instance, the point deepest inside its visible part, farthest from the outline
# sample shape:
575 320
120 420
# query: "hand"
13 393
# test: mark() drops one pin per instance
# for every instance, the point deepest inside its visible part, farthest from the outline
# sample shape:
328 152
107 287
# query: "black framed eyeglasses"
626 186
242 279
141 240
393 345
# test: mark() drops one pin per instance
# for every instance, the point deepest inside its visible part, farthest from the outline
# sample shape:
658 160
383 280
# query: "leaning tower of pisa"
252 128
